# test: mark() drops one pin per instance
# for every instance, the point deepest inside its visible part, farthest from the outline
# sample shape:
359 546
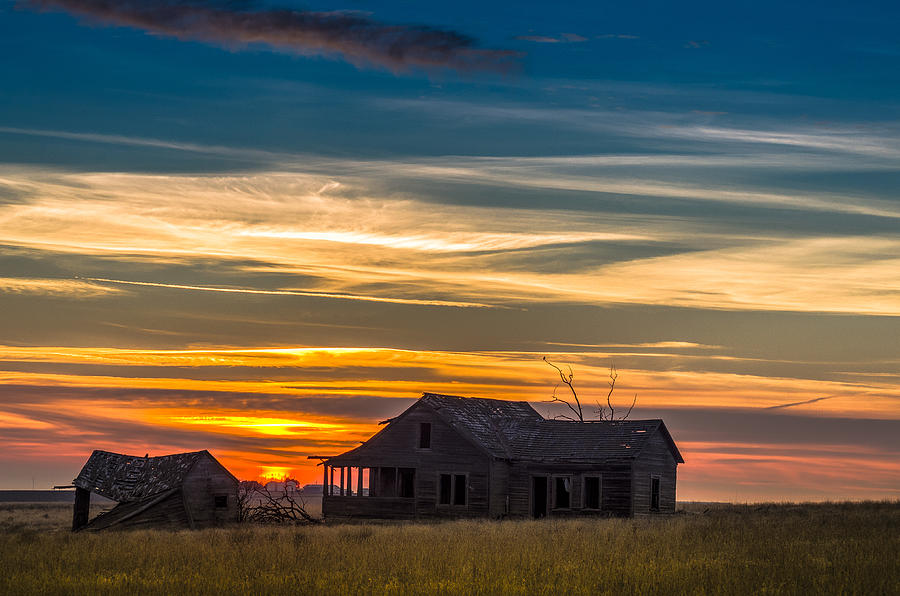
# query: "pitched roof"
482 419
130 478
515 430
561 440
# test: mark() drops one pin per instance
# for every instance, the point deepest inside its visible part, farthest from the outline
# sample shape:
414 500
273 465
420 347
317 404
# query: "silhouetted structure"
184 490
448 456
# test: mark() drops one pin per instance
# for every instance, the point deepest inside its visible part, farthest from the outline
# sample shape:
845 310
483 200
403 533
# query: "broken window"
424 435
407 482
592 492
221 501
562 492
654 494
444 489
459 489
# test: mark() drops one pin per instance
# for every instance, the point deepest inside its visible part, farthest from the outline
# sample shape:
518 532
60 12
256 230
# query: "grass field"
791 549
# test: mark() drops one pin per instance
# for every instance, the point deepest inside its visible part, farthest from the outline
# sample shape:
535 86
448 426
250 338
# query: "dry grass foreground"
846 548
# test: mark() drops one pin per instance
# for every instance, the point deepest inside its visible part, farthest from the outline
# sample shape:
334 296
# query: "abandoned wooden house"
184 490
449 456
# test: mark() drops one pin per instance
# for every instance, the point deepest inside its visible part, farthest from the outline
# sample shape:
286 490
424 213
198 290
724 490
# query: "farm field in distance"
830 548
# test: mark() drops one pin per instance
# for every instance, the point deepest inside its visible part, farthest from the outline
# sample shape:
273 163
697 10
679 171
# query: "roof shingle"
126 478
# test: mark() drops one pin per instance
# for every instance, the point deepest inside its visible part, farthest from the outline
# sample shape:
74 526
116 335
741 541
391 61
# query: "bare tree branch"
628 413
567 380
613 375
259 505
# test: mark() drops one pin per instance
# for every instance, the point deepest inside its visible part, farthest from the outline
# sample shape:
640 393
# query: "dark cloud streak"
802 403
354 36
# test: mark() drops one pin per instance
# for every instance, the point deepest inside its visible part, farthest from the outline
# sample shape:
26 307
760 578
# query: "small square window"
221 501
425 435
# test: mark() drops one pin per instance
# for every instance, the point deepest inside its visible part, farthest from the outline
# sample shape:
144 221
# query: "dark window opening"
459 489
407 482
562 492
654 494
425 435
221 501
387 482
444 491
538 496
592 492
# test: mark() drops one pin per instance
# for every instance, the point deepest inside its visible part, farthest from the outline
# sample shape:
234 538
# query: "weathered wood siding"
655 459
169 513
519 483
398 446
165 511
500 501
206 481
369 507
615 488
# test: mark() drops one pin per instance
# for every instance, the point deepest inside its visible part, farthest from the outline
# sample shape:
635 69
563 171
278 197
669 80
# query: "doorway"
538 496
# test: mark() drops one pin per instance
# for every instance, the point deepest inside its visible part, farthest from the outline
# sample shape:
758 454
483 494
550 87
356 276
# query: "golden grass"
842 548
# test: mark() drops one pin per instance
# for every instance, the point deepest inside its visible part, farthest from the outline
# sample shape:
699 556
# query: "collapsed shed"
183 490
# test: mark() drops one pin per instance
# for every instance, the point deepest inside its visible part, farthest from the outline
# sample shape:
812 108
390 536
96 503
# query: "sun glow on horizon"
275 473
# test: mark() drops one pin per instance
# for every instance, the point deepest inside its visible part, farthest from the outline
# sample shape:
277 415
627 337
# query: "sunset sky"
259 228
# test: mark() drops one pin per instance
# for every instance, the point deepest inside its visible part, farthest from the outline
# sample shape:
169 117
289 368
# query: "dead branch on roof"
608 412
601 411
566 379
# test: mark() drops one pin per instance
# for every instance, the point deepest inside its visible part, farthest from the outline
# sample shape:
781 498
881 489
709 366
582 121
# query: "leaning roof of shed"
130 478
515 430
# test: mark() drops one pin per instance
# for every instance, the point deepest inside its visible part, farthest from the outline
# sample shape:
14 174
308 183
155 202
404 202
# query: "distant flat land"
37 496
832 548
44 496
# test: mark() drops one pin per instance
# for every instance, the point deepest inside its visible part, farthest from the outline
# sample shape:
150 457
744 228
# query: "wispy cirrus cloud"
149 143
409 301
345 240
563 38
352 35
54 287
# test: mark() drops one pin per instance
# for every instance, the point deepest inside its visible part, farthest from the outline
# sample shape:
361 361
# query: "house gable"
397 443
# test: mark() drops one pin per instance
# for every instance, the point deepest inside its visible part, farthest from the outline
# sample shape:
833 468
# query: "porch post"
342 481
325 479
359 483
